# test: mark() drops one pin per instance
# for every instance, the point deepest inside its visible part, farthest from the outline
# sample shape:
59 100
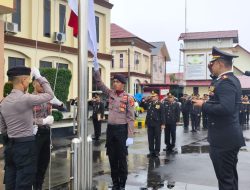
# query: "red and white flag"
73 22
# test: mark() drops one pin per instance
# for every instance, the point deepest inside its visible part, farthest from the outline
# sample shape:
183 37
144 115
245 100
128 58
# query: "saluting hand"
35 73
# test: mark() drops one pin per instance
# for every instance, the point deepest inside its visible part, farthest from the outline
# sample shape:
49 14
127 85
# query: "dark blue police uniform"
224 132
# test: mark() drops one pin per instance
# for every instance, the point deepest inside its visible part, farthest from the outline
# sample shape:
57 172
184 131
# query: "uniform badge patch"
157 106
211 88
224 77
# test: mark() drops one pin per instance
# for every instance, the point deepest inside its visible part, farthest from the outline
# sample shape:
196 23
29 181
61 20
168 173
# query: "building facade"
42 38
6 7
159 58
131 57
197 55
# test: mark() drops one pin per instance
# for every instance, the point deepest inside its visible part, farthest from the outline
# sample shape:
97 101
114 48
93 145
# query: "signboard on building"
196 67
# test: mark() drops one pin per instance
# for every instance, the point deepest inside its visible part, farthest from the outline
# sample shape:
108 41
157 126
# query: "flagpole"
82 90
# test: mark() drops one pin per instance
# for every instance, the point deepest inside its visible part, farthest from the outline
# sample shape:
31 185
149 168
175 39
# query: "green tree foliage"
62 82
8 86
57 115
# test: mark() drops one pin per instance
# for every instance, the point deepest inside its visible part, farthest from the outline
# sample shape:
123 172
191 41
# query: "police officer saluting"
224 132
155 121
16 121
120 123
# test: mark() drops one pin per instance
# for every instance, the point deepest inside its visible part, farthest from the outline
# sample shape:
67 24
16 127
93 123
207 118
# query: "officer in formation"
43 119
204 114
195 114
16 122
155 121
224 132
172 116
120 125
186 105
244 110
98 115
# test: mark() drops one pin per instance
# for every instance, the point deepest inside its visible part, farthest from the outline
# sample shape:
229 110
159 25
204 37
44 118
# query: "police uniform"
120 120
185 108
16 121
98 114
195 113
204 115
172 116
154 119
224 132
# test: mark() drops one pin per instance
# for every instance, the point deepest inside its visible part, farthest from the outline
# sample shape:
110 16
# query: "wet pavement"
188 167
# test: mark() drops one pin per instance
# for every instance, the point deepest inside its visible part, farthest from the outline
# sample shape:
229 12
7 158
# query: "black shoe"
157 154
150 155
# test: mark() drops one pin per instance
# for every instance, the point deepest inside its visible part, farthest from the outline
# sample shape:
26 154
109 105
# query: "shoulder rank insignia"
224 77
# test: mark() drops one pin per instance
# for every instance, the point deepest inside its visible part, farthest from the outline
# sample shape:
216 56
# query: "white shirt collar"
223 74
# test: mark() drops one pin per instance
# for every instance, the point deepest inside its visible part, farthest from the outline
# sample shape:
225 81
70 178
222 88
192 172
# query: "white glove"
55 101
35 129
35 73
49 120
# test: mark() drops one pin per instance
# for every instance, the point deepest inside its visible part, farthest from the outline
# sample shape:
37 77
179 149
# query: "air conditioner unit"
59 37
10 28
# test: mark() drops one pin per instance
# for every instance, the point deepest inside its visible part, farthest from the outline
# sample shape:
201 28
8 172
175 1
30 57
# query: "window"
46 18
15 62
136 61
121 60
16 16
195 90
62 11
112 63
45 64
97 28
62 66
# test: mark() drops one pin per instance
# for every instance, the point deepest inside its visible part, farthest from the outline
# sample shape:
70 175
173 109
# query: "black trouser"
194 121
225 166
185 118
154 138
204 120
247 117
43 155
170 133
117 153
241 117
20 165
97 127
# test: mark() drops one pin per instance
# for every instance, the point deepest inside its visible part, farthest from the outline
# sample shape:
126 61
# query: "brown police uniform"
120 120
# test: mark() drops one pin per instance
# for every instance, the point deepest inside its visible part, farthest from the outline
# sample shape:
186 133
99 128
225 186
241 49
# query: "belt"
21 139
117 125
43 127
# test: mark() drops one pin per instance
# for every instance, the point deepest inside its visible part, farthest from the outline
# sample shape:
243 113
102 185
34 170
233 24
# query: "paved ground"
188 168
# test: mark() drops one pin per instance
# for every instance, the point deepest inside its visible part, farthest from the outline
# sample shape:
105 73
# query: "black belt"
21 139
117 125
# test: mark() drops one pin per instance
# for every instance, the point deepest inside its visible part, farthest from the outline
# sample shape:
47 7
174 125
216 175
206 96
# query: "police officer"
204 114
224 132
185 108
155 121
120 125
195 113
16 121
172 116
98 115
43 119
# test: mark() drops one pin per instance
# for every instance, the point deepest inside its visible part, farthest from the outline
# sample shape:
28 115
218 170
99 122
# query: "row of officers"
165 115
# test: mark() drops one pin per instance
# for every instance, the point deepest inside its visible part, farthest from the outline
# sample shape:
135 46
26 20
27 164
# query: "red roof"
210 35
244 81
119 32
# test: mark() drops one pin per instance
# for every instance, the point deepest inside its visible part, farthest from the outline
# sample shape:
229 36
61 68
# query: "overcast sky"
164 20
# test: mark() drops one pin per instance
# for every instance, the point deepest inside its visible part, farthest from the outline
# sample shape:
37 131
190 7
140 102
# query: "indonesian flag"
73 22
